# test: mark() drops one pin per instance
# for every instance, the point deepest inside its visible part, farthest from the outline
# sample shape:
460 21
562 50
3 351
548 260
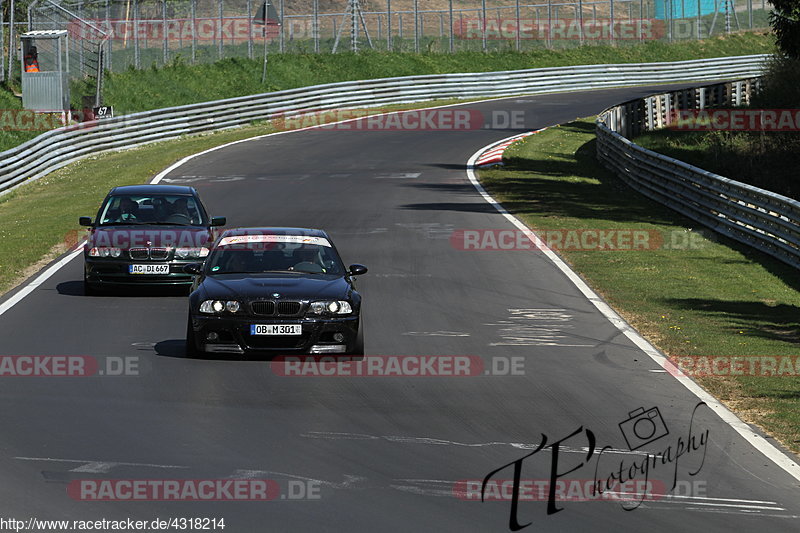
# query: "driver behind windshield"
128 210
306 260
180 210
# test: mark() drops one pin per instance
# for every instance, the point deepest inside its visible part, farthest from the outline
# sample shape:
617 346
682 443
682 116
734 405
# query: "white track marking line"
95 468
330 435
38 280
436 333
771 452
88 465
256 474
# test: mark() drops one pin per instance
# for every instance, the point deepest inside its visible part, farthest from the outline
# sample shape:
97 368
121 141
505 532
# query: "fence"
762 219
147 32
56 148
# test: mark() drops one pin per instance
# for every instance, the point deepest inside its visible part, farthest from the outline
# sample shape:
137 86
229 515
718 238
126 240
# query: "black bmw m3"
274 290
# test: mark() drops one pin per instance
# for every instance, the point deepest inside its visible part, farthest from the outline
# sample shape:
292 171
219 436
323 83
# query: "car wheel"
89 288
359 347
191 345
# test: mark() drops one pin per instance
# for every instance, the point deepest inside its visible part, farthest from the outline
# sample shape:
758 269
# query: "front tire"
191 344
358 349
89 288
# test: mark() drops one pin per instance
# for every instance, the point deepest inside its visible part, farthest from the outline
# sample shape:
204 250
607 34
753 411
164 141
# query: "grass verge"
712 297
765 160
180 83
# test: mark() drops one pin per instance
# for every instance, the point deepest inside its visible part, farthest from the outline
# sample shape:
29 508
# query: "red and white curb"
494 154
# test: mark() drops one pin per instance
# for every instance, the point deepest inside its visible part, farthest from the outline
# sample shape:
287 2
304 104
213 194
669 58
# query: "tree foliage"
785 21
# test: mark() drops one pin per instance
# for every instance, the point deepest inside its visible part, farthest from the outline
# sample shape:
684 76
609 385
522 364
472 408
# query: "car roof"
153 189
306 232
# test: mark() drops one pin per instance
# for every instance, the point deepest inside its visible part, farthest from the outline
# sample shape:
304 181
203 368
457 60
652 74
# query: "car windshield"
152 209
255 258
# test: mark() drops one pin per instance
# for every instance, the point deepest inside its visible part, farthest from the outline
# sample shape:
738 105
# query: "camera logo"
643 427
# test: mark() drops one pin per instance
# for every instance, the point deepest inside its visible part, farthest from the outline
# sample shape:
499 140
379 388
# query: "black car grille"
142 254
263 308
139 253
288 308
159 253
283 308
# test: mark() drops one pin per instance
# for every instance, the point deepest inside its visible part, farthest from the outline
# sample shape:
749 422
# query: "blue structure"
680 9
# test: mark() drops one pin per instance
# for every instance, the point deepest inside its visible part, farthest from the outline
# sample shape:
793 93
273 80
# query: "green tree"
785 21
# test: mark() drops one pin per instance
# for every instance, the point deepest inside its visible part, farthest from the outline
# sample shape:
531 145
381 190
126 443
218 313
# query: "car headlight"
332 307
215 307
104 252
191 253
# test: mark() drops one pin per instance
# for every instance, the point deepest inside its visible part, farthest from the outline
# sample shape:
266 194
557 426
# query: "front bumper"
233 335
115 272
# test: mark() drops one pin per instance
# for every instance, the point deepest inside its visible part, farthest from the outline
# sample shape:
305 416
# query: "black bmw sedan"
274 290
145 235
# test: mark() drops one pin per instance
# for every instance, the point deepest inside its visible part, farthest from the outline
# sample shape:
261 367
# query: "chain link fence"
119 34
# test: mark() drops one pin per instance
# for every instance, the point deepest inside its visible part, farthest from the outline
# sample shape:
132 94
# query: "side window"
194 213
111 211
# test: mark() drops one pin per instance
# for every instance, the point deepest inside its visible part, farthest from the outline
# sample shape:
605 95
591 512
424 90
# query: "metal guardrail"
762 219
62 146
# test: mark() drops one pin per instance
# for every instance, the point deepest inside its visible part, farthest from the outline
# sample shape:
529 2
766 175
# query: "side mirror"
219 221
193 268
85 221
357 270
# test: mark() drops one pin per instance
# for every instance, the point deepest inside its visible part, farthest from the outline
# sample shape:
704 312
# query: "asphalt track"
384 453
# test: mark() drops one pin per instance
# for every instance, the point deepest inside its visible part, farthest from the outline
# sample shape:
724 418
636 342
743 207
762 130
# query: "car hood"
125 237
263 287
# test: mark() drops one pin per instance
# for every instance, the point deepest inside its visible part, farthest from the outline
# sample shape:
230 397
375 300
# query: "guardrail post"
659 104
667 107
624 126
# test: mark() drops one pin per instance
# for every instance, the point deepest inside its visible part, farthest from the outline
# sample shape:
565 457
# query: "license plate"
148 269
276 329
